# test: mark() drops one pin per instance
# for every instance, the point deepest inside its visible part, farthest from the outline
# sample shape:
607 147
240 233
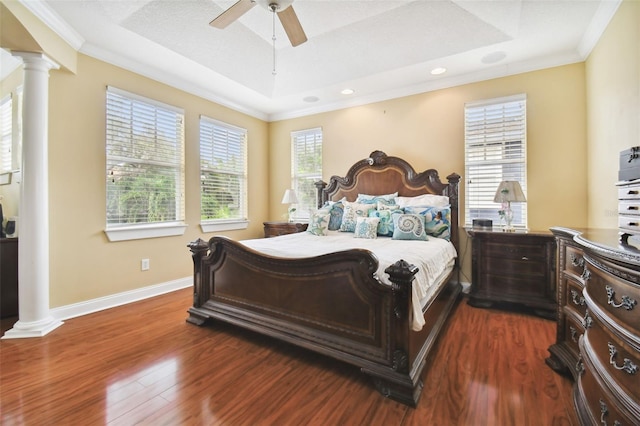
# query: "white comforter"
434 258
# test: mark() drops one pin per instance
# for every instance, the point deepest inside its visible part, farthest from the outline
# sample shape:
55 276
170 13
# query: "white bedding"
434 258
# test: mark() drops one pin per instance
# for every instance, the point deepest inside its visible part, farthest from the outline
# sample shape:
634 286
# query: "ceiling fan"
283 8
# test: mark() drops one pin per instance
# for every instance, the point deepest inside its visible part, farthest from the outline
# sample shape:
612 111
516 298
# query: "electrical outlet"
144 264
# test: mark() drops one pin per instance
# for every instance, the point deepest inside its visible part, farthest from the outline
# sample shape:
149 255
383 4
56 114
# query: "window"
223 176
306 169
145 165
6 136
495 150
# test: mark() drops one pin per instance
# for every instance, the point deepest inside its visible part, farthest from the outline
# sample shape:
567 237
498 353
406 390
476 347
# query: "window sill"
138 232
231 225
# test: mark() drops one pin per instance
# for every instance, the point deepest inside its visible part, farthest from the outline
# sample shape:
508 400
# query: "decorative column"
34 317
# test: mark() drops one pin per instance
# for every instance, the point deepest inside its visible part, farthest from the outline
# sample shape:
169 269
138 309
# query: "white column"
34 317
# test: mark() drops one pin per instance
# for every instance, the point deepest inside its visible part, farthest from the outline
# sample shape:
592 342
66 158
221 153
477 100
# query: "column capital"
37 58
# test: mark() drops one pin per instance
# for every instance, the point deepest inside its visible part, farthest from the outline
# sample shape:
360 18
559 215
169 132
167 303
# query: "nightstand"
273 229
513 268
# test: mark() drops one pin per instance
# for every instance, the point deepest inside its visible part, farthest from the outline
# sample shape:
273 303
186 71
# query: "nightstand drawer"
520 252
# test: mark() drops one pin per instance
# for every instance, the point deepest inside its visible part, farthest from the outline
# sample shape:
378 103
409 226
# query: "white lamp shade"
289 197
509 190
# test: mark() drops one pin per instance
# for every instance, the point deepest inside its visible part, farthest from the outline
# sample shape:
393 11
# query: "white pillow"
425 200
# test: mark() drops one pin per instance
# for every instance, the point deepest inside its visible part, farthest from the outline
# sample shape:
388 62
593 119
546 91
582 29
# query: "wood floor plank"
143 364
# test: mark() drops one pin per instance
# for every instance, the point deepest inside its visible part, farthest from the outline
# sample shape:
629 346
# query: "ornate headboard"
381 174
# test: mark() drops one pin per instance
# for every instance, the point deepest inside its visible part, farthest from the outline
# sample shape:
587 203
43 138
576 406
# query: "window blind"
6 132
145 160
495 150
306 168
223 171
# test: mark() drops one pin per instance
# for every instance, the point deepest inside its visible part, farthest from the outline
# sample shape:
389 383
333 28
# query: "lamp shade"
289 197
509 190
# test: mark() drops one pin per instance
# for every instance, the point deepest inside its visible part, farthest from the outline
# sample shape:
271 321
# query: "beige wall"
428 130
613 88
572 155
84 265
10 193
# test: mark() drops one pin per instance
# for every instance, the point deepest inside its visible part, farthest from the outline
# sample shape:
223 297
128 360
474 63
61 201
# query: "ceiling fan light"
280 5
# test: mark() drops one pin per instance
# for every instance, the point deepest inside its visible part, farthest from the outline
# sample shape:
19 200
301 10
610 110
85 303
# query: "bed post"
400 385
198 250
320 197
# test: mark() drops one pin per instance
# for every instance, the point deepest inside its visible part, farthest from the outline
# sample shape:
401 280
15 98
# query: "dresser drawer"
602 407
629 192
574 300
616 297
618 359
574 261
524 252
573 331
627 222
629 208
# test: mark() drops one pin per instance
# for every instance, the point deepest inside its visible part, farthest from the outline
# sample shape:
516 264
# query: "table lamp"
509 191
290 198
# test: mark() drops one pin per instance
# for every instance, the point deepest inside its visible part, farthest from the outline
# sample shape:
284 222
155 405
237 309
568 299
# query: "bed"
339 303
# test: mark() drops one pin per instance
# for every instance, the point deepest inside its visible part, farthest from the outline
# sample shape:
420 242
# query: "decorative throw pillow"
336 210
408 227
385 226
351 212
437 220
366 227
373 199
318 222
423 200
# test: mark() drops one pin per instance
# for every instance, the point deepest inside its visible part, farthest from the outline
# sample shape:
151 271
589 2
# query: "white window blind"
495 150
223 171
145 160
6 129
306 168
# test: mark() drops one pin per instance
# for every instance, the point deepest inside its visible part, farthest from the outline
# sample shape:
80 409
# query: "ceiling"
380 49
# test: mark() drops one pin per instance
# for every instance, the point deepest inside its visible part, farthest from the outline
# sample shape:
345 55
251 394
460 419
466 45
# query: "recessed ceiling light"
438 71
348 91
311 99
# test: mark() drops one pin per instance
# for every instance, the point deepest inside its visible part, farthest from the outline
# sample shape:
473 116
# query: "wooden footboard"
331 304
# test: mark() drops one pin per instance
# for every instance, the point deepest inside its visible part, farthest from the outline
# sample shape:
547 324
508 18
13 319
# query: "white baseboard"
111 301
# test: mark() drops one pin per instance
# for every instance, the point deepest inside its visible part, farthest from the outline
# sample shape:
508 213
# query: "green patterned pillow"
373 199
351 212
408 227
319 223
437 220
366 227
385 226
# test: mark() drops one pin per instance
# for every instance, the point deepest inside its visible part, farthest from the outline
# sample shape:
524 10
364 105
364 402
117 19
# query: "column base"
23 329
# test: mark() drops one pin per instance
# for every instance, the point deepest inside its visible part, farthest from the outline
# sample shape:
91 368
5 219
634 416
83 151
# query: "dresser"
605 359
273 229
516 268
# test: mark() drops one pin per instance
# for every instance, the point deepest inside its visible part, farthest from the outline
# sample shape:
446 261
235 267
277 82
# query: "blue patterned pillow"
408 227
437 220
385 226
351 212
373 199
318 222
366 227
336 210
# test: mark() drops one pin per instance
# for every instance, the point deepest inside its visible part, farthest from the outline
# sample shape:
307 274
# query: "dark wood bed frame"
333 304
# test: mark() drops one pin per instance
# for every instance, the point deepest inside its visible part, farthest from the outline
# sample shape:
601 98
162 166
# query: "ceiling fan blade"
234 12
292 26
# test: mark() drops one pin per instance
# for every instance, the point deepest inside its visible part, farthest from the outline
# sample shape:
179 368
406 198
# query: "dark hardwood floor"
143 364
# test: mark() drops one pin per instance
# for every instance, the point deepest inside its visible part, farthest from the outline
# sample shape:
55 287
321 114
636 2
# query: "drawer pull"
626 302
580 365
586 275
604 411
627 365
632 207
577 261
574 333
579 301
587 322
525 258
632 192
